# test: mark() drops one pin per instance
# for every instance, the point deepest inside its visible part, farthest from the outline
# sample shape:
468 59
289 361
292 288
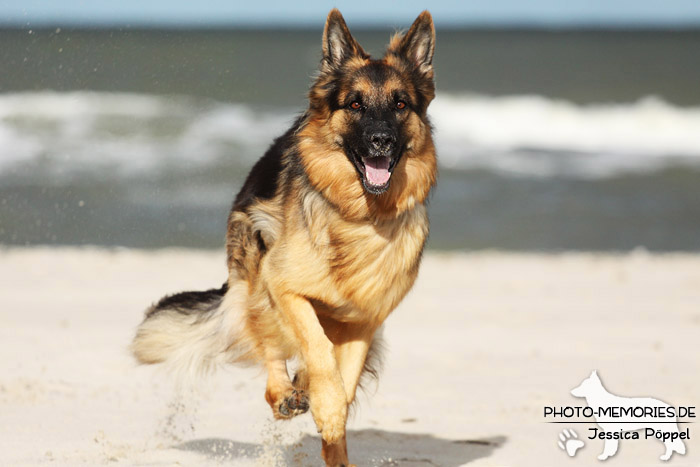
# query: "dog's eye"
400 105
355 105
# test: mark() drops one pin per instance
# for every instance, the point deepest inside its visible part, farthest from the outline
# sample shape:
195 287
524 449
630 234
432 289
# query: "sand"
479 347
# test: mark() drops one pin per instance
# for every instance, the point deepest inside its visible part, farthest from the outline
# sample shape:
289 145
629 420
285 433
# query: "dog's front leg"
609 449
284 399
327 396
351 342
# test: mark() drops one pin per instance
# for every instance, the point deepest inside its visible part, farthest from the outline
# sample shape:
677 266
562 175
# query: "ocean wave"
131 133
74 132
542 136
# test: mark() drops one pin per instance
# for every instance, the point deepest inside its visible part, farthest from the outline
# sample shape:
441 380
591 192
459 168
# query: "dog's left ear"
338 43
418 44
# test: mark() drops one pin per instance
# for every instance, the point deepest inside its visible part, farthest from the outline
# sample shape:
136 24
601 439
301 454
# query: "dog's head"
589 386
374 111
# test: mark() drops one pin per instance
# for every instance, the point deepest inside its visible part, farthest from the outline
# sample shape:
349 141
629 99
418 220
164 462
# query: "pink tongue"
377 169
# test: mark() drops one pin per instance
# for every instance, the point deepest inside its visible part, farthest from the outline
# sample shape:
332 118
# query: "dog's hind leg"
285 400
673 446
609 449
335 454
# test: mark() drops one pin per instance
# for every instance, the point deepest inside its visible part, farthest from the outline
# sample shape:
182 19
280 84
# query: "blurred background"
559 125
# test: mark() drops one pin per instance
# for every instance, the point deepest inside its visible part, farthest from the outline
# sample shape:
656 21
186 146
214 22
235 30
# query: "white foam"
77 131
533 134
73 132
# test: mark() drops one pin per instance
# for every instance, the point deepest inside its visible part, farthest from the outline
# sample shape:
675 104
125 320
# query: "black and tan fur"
324 239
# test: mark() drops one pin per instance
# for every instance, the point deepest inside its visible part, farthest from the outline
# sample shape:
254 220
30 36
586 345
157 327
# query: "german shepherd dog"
324 239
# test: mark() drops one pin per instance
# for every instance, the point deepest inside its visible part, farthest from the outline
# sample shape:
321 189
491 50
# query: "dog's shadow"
367 447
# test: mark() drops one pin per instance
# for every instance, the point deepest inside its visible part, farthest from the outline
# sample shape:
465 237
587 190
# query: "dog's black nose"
382 140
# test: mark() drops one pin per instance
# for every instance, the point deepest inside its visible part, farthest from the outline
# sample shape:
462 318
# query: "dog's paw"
569 442
330 411
332 425
296 403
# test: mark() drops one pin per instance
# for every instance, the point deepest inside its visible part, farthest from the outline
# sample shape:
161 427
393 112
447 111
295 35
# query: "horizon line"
690 24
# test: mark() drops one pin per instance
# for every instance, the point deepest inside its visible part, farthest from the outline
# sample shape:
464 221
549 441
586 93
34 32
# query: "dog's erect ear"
594 375
338 43
418 44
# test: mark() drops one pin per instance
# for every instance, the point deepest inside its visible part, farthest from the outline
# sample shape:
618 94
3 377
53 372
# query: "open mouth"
376 173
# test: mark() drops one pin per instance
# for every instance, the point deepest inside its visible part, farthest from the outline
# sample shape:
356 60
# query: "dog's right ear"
338 43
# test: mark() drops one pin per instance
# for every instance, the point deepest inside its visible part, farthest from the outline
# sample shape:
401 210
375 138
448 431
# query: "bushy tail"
192 331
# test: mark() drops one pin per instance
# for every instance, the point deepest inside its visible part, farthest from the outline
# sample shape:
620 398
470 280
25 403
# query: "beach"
481 345
564 239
